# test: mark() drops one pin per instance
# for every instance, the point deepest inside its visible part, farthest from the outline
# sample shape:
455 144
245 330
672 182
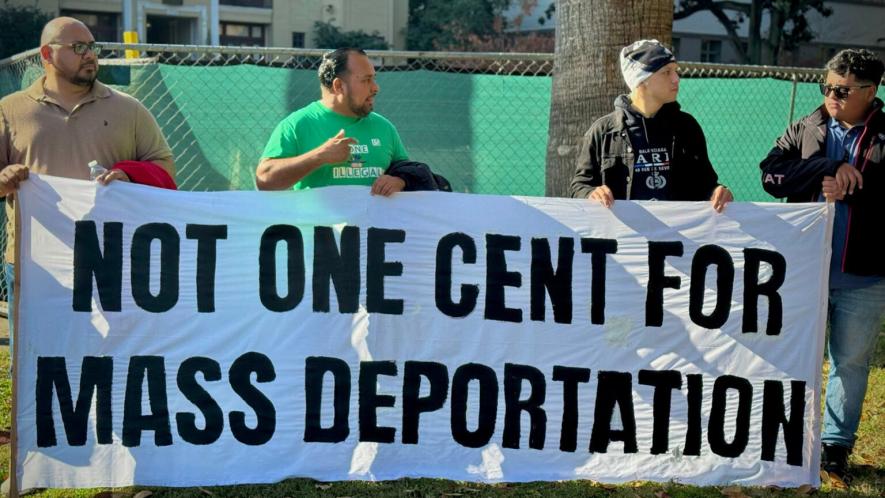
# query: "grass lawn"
868 469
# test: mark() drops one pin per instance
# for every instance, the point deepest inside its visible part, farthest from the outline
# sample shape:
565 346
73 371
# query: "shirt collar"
38 93
836 127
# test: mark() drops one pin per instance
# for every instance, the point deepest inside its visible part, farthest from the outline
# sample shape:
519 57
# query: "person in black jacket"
647 149
837 154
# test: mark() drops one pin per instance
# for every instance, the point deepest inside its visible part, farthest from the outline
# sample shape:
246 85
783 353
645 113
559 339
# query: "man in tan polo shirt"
67 119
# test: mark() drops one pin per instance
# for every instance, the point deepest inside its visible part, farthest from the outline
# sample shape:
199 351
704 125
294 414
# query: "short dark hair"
863 64
334 64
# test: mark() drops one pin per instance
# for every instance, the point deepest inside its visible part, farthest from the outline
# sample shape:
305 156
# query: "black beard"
82 81
78 80
360 110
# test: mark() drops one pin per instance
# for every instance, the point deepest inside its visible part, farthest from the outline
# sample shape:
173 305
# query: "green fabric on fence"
486 133
217 120
432 113
473 129
510 139
741 119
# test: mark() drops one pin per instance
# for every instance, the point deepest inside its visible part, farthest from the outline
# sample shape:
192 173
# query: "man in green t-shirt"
336 140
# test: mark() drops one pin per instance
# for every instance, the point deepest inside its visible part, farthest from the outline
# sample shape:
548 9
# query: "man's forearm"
284 172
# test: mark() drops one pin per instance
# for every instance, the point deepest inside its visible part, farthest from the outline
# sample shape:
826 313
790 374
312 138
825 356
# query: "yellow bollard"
131 37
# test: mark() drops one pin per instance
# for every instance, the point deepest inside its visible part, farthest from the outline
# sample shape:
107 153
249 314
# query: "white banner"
180 338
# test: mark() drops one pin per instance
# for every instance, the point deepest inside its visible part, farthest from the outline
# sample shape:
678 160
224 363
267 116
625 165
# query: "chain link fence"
479 119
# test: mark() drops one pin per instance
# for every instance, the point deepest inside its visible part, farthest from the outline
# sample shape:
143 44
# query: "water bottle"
95 169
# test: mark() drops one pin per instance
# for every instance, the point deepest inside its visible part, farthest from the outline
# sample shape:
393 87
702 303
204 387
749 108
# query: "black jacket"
418 176
795 168
606 156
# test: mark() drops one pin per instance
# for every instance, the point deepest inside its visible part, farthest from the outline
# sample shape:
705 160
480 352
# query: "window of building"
104 26
236 30
170 29
297 39
264 4
173 2
711 51
676 46
244 35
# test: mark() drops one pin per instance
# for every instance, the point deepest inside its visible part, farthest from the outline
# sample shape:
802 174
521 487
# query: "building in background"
702 38
277 23
852 24
290 23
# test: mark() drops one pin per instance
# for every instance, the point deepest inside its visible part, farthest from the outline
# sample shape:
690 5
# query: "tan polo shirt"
106 126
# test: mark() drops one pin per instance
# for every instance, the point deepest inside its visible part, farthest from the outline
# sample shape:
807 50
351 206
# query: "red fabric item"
146 173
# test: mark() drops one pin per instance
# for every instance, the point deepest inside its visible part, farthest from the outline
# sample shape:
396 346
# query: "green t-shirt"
378 144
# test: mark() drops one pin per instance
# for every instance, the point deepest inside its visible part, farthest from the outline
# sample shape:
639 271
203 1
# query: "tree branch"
732 32
700 5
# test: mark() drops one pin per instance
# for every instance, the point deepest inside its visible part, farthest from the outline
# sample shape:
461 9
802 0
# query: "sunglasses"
81 48
841 92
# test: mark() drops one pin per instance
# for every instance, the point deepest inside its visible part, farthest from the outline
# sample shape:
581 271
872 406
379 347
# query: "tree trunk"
755 32
586 71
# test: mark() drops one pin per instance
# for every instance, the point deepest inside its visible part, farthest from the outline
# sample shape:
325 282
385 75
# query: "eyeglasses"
81 48
841 92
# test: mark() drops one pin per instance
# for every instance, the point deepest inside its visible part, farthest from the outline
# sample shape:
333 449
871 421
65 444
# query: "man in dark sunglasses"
840 92
837 154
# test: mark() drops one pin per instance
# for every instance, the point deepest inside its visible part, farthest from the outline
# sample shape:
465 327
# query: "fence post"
131 37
